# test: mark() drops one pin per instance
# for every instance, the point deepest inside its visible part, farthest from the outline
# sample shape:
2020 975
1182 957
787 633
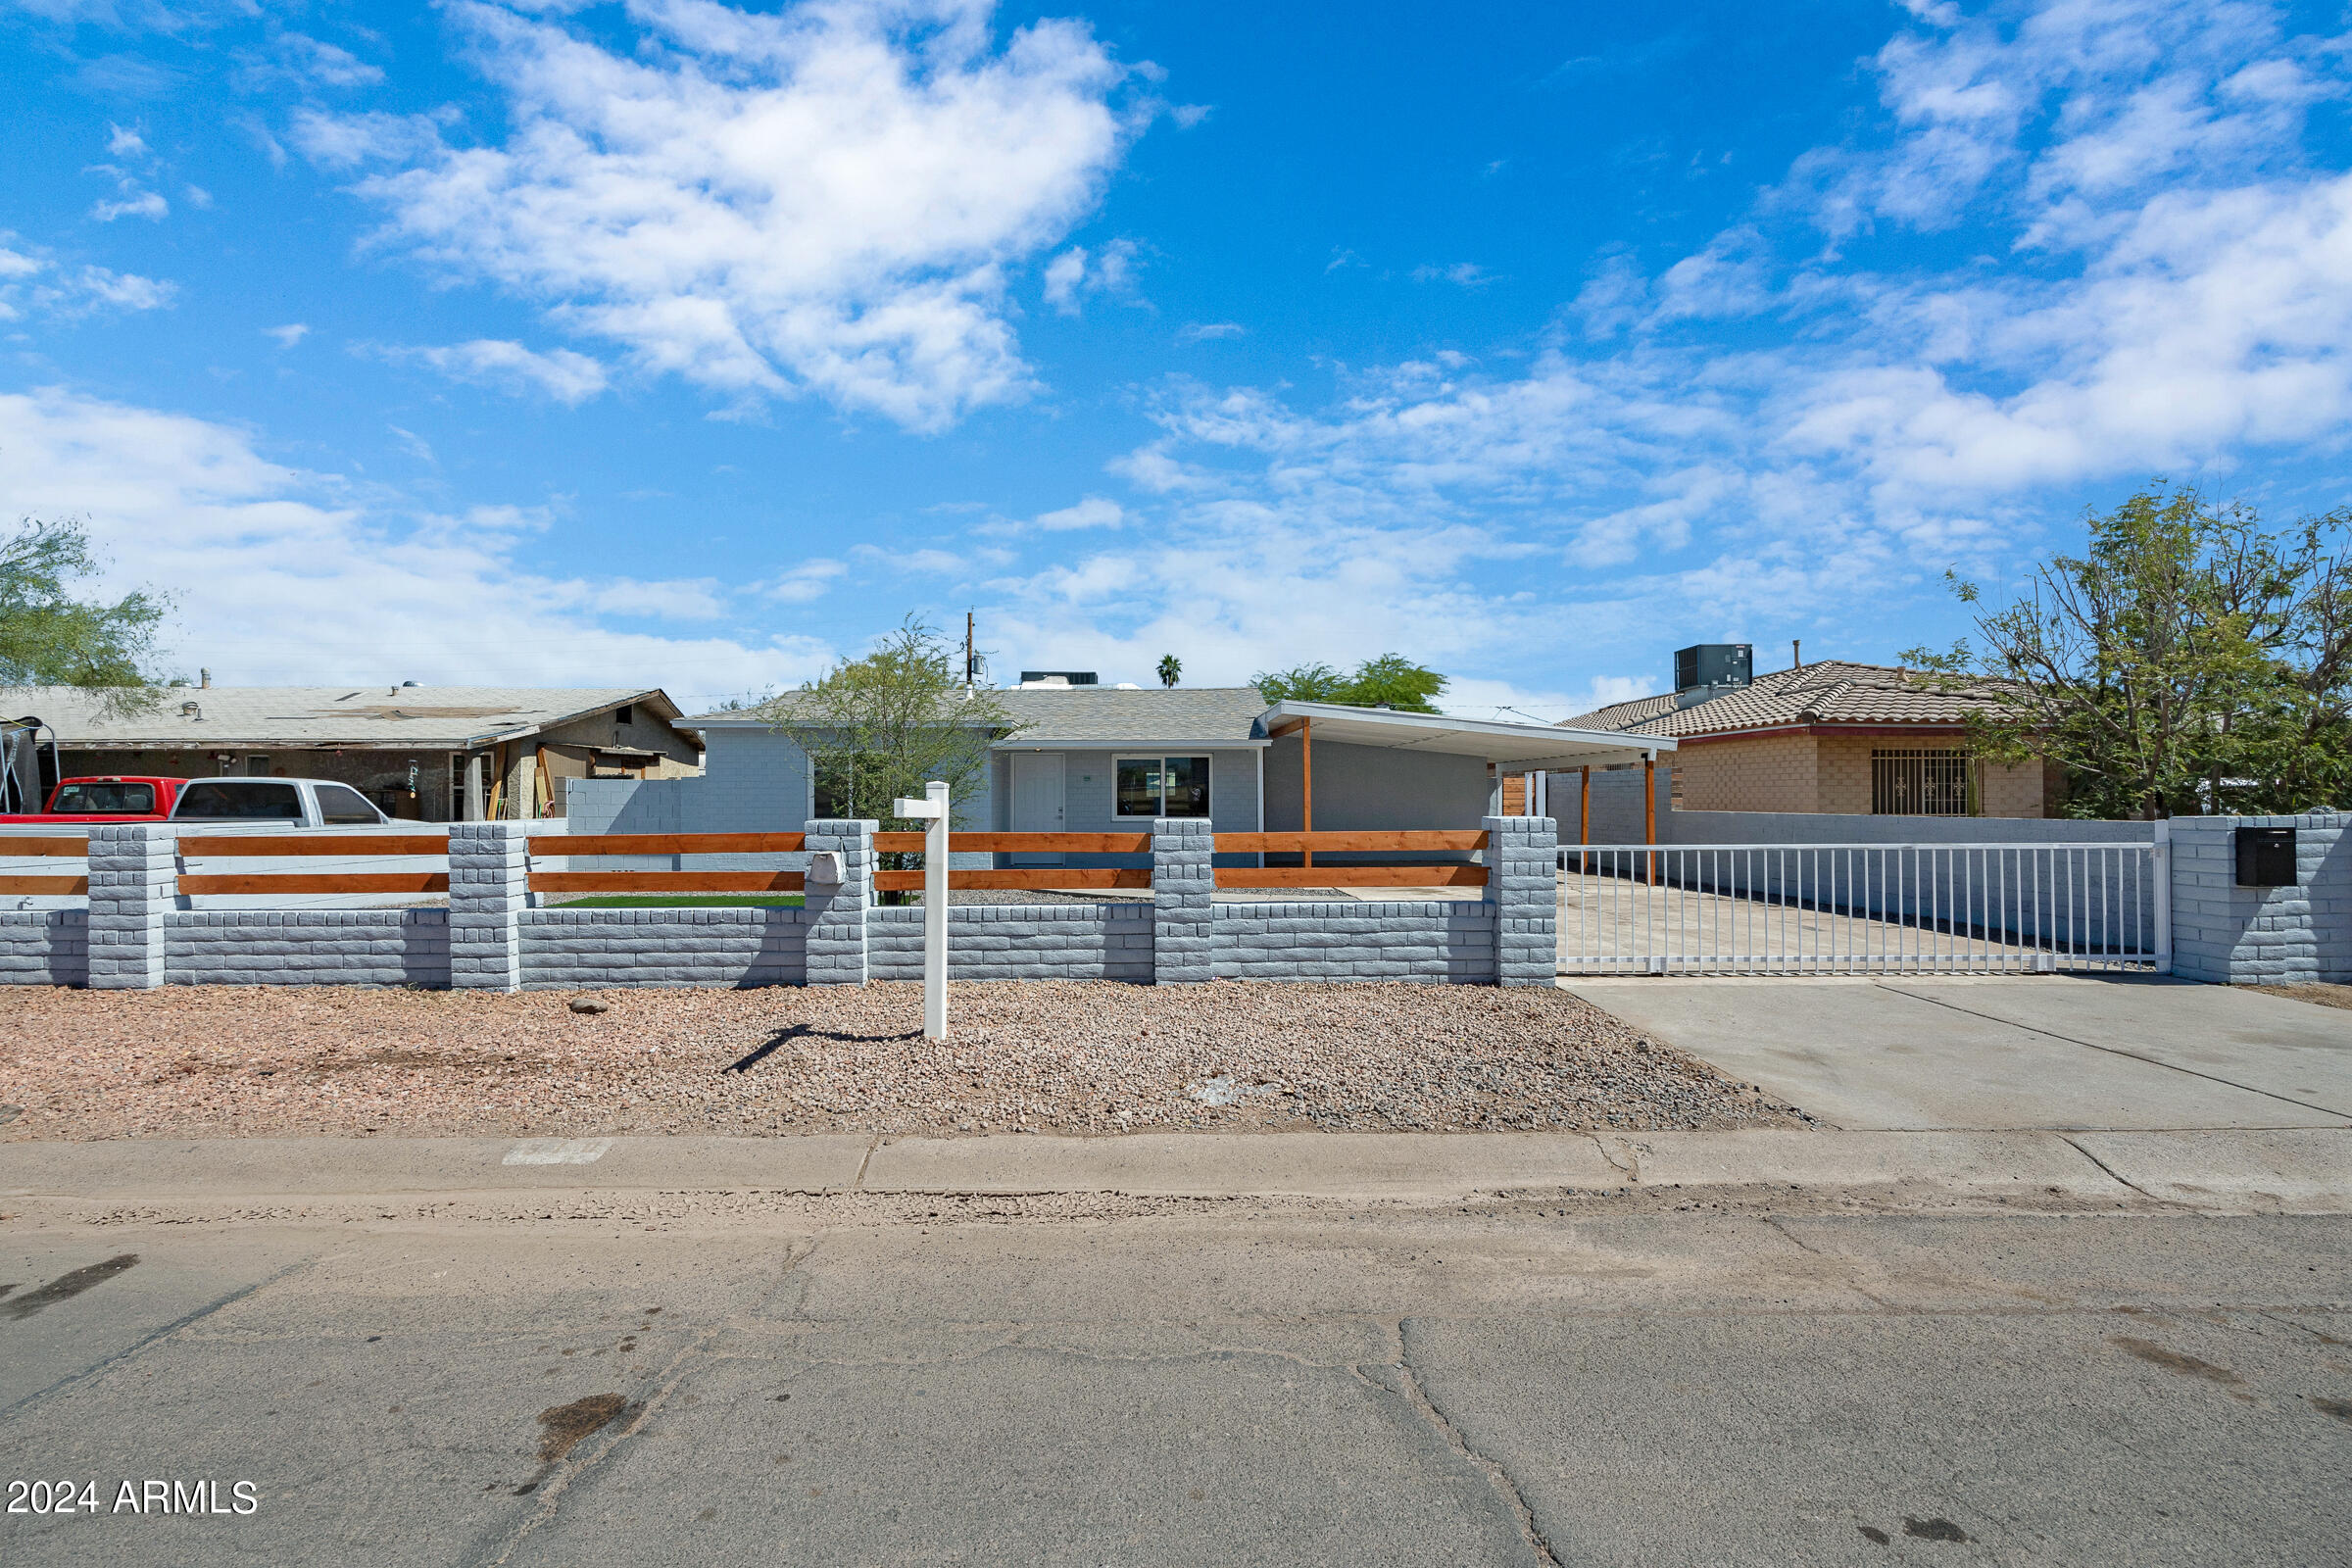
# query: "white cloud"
560 373
32 285
1092 512
1466 275
1608 690
1076 272
256 550
1210 331
415 445
288 335
1064 275
806 581
136 203
827 198
302 61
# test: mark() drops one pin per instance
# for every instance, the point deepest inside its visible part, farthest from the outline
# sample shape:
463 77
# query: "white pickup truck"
280 802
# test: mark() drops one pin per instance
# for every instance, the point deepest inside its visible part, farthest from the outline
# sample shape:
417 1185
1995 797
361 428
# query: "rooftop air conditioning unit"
1710 669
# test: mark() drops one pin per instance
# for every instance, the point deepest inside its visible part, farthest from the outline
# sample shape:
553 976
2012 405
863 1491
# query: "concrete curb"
2305 1169
2292 1169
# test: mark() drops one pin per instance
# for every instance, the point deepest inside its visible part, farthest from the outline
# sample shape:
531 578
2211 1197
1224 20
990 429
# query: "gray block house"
1088 758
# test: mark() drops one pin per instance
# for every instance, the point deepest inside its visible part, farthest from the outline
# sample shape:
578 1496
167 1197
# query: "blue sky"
686 345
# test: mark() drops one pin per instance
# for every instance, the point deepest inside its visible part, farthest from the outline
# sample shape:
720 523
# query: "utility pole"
971 661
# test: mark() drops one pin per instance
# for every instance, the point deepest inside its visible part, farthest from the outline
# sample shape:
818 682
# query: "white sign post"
933 811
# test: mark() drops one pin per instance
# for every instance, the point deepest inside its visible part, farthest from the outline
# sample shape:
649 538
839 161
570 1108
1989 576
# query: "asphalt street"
537 1380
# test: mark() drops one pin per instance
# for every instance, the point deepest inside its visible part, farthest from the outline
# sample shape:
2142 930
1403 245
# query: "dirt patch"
562 1428
1045 1057
2317 994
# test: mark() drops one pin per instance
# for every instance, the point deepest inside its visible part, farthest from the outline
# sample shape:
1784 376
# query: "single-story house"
1833 736
436 753
1082 757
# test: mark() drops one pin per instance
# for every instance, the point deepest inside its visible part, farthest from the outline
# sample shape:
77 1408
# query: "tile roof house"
431 752
1833 736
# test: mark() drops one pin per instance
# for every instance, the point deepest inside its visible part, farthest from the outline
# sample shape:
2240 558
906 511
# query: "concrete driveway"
2009 1052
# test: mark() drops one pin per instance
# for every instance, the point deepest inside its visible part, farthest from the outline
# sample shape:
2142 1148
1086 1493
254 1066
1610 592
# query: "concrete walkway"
2003 1052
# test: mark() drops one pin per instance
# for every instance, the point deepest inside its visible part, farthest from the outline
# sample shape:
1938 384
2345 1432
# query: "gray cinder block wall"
1520 883
1018 941
44 948
134 882
2261 936
489 888
836 932
308 947
1183 913
135 934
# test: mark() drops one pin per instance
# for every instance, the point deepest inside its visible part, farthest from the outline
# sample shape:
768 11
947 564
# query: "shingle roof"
1832 692
1178 714
321 715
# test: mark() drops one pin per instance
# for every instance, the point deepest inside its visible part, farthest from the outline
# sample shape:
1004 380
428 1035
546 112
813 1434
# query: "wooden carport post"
1307 789
1649 811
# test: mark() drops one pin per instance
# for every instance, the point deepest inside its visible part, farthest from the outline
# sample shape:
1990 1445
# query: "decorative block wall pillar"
2230 935
837 950
1520 884
1183 876
134 881
489 888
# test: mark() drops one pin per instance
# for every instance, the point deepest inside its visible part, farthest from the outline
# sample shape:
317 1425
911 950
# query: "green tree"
880 727
50 637
2189 659
1390 679
1171 669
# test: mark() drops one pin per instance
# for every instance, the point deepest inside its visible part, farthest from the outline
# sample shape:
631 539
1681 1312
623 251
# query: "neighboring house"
1827 737
1084 757
437 754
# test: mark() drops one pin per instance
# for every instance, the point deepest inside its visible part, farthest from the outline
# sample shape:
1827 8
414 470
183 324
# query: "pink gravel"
1047 1057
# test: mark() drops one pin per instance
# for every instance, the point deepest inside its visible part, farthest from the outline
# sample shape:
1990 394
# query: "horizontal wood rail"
1344 843
74 847
666 881
1356 876
276 844
1021 843
1035 878
263 883
668 843
44 883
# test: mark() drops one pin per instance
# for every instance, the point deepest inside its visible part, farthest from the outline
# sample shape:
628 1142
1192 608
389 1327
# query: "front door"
1040 790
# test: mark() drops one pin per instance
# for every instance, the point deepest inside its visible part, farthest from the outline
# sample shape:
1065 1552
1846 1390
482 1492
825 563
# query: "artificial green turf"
697 901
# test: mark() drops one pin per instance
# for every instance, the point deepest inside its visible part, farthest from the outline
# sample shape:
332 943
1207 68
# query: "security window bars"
1162 786
1919 783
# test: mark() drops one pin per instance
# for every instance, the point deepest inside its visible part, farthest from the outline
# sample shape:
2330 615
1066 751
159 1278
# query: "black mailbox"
2266 856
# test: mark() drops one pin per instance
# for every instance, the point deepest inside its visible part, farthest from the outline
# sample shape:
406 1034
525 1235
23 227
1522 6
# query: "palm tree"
1170 667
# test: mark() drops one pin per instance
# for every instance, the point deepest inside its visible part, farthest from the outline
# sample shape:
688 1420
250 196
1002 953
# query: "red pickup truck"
106 800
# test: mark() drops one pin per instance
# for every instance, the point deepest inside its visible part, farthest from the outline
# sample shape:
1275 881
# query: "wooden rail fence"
1358 876
69 848
1072 877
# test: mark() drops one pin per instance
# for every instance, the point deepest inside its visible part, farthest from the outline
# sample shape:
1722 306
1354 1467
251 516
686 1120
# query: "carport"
1386 769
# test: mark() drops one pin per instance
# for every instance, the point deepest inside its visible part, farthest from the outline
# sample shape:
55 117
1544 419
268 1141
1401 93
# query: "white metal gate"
1864 908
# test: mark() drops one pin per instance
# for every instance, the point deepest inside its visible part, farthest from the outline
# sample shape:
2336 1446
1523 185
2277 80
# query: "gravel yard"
189 1062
